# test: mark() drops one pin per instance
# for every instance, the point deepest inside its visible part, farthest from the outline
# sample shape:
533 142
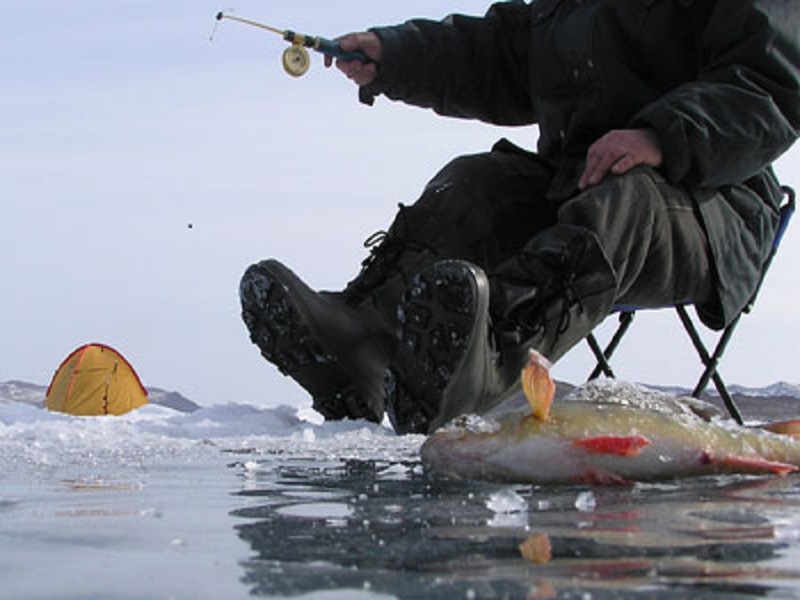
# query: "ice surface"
234 501
150 495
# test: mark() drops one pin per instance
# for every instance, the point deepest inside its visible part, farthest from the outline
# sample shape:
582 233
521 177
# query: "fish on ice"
606 433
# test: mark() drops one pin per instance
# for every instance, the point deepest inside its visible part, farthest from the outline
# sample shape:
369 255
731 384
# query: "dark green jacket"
719 81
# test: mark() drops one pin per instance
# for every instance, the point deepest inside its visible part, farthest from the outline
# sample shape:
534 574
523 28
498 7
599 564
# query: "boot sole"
439 325
281 329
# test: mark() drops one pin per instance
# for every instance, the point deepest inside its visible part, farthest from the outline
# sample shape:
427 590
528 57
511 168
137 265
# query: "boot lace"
531 319
385 249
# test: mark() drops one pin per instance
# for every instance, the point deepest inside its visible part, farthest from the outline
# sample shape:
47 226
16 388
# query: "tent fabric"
95 380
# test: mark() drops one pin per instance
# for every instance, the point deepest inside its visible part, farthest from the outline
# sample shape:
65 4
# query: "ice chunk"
586 502
506 501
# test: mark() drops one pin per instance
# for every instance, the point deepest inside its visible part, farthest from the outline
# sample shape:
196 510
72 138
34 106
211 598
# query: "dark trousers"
491 208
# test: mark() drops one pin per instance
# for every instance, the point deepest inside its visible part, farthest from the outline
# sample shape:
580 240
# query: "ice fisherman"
651 185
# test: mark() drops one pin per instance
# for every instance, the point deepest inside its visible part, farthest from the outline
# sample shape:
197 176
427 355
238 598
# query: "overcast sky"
122 125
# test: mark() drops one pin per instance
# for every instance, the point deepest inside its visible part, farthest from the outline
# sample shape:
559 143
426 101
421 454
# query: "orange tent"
95 380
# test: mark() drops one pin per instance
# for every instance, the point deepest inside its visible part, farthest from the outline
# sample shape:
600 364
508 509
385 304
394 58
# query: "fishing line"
216 23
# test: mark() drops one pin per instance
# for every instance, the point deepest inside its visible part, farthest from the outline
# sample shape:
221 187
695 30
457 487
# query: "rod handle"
334 50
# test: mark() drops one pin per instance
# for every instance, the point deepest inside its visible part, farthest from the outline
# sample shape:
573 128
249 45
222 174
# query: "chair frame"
711 360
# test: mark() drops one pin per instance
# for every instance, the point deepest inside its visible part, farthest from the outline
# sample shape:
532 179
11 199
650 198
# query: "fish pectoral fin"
790 428
600 477
754 466
616 445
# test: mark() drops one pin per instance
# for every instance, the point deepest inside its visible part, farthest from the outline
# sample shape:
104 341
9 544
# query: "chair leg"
602 360
711 362
604 356
733 410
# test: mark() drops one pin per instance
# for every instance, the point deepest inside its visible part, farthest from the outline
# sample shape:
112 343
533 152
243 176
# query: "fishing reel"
295 58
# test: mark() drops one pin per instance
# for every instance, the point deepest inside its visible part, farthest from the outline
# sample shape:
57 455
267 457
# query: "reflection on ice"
427 537
316 510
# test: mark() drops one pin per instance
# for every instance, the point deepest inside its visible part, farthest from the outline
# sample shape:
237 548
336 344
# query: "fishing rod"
295 58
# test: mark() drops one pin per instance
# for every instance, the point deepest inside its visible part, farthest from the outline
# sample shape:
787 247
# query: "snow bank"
34 438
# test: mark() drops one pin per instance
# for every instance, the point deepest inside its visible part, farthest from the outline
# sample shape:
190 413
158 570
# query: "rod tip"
220 16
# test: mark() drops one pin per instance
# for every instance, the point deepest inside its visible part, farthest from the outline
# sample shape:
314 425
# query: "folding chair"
710 361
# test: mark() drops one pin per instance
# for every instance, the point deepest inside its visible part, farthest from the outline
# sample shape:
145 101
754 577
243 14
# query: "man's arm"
462 66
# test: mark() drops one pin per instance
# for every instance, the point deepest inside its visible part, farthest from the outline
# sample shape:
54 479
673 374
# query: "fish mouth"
459 454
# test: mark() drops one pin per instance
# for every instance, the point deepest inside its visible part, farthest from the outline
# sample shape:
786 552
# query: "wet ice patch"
317 510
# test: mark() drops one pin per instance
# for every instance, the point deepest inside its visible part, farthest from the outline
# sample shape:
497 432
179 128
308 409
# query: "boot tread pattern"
284 339
435 318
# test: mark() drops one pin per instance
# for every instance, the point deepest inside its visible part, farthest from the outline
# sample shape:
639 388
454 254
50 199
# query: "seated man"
652 185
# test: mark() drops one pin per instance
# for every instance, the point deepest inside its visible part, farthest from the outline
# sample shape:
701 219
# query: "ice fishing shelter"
95 380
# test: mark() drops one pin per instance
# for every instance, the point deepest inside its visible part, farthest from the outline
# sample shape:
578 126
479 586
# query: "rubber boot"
337 345
420 235
336 351
446 363
462 346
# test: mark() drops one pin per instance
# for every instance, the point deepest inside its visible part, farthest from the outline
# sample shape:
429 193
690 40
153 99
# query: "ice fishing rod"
295 58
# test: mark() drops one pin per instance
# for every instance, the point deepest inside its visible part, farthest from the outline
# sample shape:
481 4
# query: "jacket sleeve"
468 67
743 111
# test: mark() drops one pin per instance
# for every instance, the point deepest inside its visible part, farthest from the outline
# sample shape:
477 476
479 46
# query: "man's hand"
369 44
619 151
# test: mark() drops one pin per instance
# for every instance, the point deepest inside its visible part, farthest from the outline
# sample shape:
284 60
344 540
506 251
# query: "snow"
779 389
32 437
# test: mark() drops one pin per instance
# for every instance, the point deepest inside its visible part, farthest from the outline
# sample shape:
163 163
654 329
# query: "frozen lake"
234 501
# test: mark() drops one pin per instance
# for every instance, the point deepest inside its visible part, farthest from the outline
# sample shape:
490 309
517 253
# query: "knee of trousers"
463 185
620 204
454 211
563 255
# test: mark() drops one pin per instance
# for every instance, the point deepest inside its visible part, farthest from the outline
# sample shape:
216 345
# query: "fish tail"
790 428
755 465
